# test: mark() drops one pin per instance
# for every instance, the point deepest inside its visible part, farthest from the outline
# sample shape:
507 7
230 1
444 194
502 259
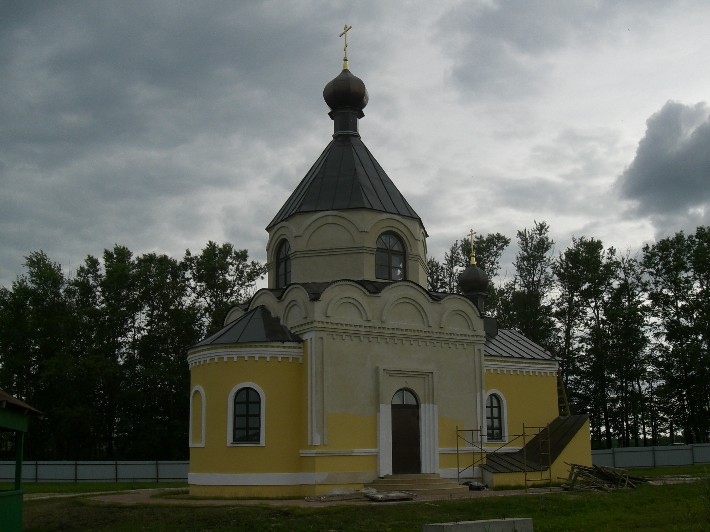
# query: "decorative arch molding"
313 218
407 288
295 297
266 298
343 287
335 304
390 306
230 415
503 414
315 224
294 312
457 301
452 313
234 313
194 441
282 232
384 222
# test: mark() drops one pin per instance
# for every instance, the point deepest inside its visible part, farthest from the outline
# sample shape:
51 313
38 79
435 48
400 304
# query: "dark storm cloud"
115 116
669 179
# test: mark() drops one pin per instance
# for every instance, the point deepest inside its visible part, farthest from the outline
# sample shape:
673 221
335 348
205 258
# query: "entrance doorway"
406 445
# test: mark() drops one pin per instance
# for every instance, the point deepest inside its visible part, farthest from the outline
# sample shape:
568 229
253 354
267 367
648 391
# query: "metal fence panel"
97 471
658 456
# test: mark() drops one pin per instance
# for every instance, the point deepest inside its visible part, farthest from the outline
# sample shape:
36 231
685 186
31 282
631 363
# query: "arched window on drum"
390 258
283 264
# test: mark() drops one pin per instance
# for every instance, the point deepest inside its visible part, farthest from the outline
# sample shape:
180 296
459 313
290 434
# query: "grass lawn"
670 507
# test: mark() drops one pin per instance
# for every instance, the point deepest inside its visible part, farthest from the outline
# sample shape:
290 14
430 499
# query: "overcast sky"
161 125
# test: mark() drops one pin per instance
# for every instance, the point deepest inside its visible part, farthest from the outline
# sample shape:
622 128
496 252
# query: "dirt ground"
152 496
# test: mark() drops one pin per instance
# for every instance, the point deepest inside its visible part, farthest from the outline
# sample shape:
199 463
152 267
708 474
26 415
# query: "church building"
347 369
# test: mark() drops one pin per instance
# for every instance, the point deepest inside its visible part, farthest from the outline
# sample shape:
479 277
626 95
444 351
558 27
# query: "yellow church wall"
284 406
578 451
530 399
447 431
348 431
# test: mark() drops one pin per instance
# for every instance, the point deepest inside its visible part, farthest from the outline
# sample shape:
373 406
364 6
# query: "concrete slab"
519 524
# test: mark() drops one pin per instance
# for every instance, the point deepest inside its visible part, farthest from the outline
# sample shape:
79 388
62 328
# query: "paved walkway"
152 496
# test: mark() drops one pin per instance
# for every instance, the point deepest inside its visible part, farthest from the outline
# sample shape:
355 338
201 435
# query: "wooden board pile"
600 478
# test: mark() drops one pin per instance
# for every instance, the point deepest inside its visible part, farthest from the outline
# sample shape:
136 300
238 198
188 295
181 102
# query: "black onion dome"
346 90
473 280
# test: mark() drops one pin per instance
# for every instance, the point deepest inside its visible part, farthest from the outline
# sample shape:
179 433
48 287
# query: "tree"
625 313
436 275
679 274
220 277
35 354
154 406
525 301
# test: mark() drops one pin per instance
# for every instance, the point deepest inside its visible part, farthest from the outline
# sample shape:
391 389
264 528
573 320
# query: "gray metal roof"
345 176
256 326
509 343
561 431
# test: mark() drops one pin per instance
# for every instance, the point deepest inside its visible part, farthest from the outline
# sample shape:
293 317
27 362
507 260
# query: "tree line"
102 352
631 332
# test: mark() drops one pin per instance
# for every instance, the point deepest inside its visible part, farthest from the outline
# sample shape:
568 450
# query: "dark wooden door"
405 439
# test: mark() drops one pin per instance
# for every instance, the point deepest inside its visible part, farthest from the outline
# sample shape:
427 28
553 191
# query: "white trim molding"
289 351
197 389
230 415
280 479
340 452
420 381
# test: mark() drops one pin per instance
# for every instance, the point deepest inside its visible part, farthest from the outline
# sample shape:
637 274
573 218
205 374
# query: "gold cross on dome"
471 236
346 29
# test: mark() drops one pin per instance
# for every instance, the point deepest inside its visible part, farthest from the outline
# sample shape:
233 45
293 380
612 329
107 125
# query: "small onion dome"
473 280
346 90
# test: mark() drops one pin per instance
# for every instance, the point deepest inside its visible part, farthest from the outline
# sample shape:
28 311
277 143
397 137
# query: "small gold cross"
346 29
471 236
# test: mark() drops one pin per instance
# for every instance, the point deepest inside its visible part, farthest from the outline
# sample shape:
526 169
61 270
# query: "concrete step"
418 484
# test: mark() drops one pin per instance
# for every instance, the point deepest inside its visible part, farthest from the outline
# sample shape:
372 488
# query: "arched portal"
406 434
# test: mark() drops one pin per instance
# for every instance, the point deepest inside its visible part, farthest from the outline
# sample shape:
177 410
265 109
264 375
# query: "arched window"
494 418
247 416
283 264
245 422
390 258
197 417
404 397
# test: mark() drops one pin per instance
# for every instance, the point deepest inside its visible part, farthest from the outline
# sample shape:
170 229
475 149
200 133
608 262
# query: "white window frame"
230 416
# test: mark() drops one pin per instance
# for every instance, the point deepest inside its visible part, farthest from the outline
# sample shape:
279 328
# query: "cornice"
394 335
516 366
291 352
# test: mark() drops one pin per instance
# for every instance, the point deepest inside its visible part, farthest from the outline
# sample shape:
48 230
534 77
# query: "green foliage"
632 334
679 290
661 508
102 353
526 300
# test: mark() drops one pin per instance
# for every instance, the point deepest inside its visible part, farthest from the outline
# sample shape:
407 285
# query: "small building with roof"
15 415
346 368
